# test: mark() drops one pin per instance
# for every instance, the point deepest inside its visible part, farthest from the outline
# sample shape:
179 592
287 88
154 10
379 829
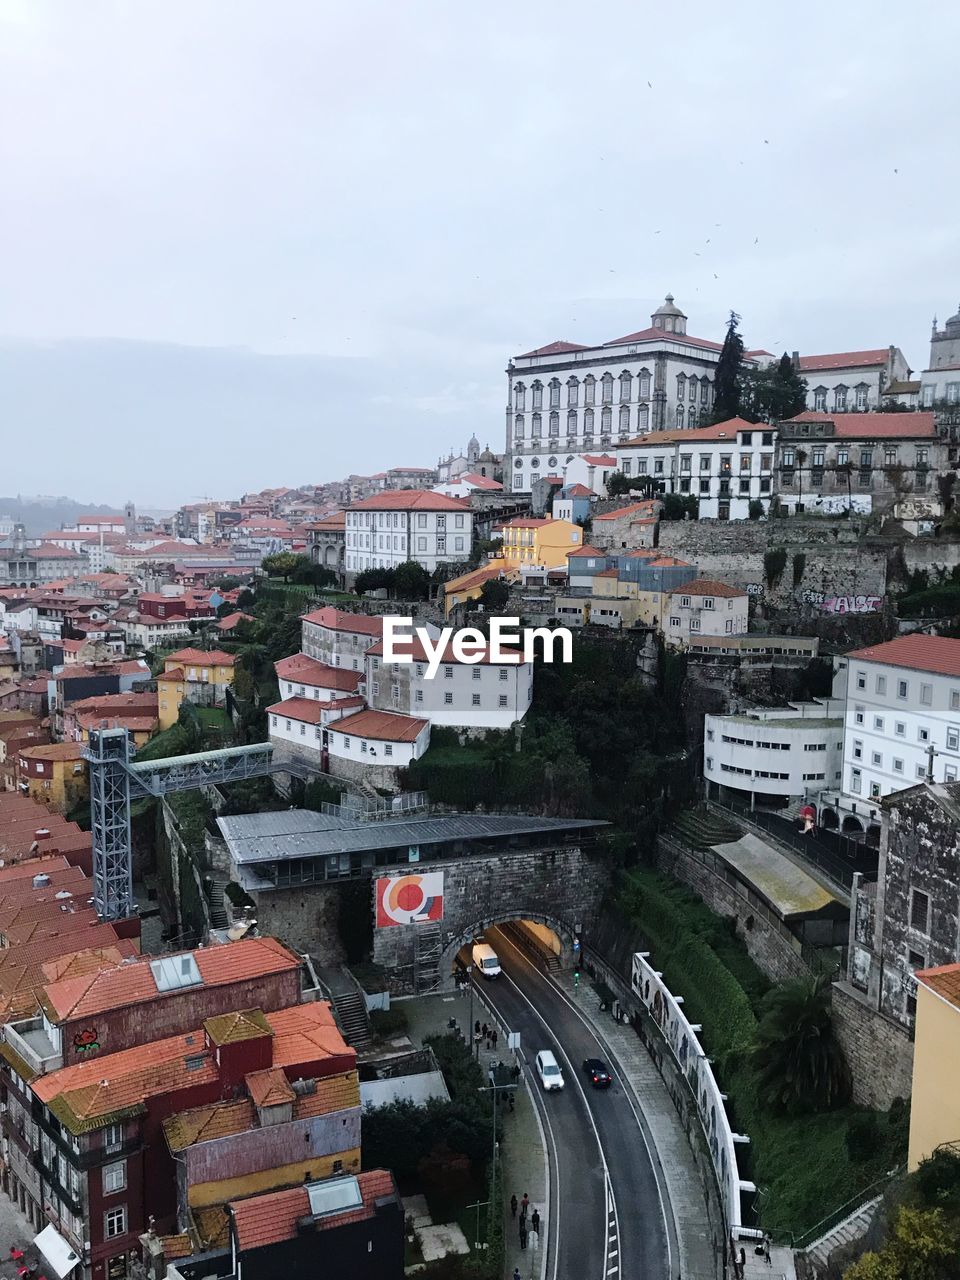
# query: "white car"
551 1077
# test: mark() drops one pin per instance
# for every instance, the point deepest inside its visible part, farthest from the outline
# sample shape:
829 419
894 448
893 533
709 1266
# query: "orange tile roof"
409 500
269 1088
306 1032
173 675
201 658
936 654
845 360
230 620
260 1221
943 981
234 1028
310 710
383 726
707 587
586 550
125 720
339 620
653 334
55 751
636 508
871 426
558 348
308 671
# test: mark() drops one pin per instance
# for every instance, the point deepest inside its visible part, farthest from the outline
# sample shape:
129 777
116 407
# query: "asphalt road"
606 1220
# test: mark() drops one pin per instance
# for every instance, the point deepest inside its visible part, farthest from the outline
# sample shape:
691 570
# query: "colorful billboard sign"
411 899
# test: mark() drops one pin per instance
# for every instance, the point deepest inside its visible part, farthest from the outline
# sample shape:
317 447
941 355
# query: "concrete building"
725 466
327 542
940 381
467 483
901 725
629 528
389 529
859 461
373 745
566 398
55 775
704 607
572 503
621 589
532 543
852 381
934 1100
774 756
339 639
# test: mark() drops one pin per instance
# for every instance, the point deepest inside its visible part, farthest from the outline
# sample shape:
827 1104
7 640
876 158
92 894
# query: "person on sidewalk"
535 1221
766 1251
524 1205
513 1206
523 1233
516 1273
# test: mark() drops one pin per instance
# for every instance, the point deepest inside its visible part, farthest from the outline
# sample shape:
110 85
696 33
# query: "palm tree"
799 1060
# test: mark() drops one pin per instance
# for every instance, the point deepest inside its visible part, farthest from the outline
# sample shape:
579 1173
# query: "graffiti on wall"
754 588
86 1041
852 604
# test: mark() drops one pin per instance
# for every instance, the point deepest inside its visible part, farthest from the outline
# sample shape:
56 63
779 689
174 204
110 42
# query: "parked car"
599 1075
551 1077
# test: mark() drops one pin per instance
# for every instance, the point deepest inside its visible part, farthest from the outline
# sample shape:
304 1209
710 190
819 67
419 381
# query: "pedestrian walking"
523 1233
535 1221
485 1031
493 1039
513 1206
766 1251
743 1262
476 1027
524 1205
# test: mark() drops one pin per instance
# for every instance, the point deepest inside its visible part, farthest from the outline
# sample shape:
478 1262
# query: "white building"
339 639
300 722
940 382
725 466
567 398
301 677
386 530
704 607
591 470
467 483
483 695
375 740
778 755
852 381
145 631
902 723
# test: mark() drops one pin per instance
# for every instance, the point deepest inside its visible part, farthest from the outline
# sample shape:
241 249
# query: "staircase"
703 829
219 916
850 1230
547 960
427 945
351 1010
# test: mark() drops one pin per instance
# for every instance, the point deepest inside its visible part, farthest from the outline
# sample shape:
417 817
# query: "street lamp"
500 1078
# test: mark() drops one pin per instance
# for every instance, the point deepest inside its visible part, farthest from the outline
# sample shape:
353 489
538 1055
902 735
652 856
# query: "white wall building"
566 398
484 695
852 381
339 639
777 755
301 677
301 721
726 466
386 530
144 631
940 382
375 740
704 607
591 470
902 700
466 483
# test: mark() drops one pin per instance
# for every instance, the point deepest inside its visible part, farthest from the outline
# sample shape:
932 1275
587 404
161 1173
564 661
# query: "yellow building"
468 586
171 691
203 666
56 775
935 1099
537 543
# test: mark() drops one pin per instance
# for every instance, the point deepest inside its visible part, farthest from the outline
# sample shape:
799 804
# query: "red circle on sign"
410 897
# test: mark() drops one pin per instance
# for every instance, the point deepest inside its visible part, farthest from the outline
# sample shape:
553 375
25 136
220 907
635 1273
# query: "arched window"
820 399
681 385
573 392
680 414
693 389
624 419
589 389
536 425
644 390
572 422
588 422
606 419
538 395
519 397
607 384
643 418
839 399
626 386
554 393
518 427
704 390
554 427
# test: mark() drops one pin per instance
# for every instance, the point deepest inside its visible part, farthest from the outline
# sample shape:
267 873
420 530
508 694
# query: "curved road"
606 1217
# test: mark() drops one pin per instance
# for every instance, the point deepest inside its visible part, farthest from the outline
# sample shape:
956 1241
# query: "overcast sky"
251 243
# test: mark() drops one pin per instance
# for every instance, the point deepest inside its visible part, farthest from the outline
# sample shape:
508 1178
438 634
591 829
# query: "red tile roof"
936 654
201 658
334 523
706 587
173 675
717 431
479 482
586 550
383 726
645 508
261 1221
845 360
558 348
944 981
528 522
599 459
339 620
307 1033
409 500
579 491
228 622
661 335
869 426
122 720
308 671
56 751
269 1088
310 710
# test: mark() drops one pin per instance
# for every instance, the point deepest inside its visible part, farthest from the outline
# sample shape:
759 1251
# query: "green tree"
799 1060
773 393
617 483
728 386
922 1245
245 599
411 581
494 595
280 565
373 580
680 506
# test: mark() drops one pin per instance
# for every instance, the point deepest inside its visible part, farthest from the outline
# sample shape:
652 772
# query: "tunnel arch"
562 928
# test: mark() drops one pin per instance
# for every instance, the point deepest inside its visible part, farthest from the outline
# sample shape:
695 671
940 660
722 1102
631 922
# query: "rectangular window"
878 723
114 1177
448 698
903 688
900 728
877 759
476 673
919 911
881 684
503 700
926 694
855 781
955 699
115 1222
113 1137
504 673
418 695
953 737
858 715
861 679
448 673
897 765
857 749
476 700
923 734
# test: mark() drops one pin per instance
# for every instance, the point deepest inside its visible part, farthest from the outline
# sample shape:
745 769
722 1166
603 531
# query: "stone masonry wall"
767 947
305 919
878 1051
561 888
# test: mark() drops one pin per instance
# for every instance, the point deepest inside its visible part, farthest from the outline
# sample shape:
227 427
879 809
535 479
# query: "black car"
600 1077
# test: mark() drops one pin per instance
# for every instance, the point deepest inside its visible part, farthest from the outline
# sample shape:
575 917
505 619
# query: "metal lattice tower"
109 758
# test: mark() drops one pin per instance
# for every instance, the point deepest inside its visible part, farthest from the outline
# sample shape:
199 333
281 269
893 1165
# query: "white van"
551 1077
485 960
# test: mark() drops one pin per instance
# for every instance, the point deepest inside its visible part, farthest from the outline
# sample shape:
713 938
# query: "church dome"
669 317
668 307
952 327
488 455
